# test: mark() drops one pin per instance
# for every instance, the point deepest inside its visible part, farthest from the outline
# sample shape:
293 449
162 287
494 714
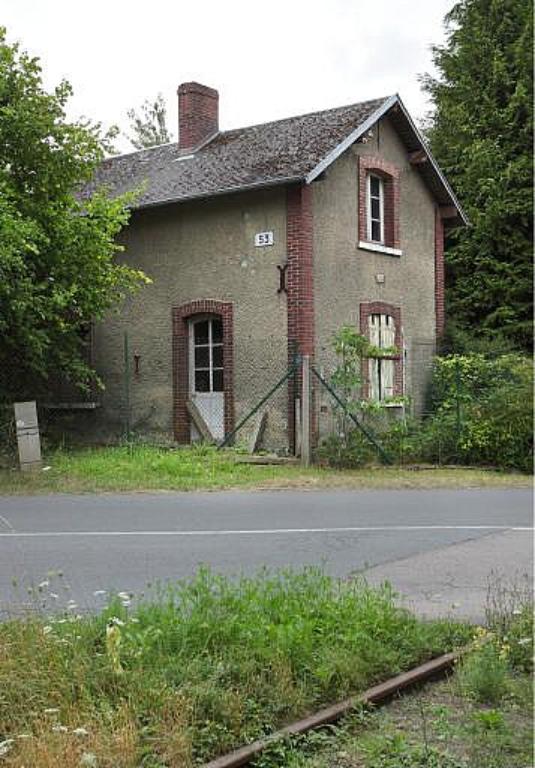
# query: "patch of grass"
212 664
140 467
444 725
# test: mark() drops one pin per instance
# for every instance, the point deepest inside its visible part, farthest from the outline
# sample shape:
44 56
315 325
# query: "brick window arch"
181 317
389 175
367 312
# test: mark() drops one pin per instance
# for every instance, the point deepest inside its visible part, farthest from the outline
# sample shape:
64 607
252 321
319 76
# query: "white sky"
268 60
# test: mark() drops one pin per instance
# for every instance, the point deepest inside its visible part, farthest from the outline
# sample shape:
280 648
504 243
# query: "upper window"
379 208
375 208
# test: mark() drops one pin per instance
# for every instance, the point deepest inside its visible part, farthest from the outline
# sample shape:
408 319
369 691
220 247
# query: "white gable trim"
349 140
434 163
364 128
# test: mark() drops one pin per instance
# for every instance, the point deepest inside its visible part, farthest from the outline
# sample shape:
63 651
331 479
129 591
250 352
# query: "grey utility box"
28 435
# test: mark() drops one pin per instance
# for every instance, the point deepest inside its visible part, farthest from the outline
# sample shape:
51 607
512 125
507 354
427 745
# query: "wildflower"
504 651
72 607
5 746
124 595
51 711
89 760
524 641
99 592
517 612
24 736
53 595
47 630
133 620
126 603
113 642
43 584
80 732
60 728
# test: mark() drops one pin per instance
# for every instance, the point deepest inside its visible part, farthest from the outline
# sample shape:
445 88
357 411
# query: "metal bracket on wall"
282 278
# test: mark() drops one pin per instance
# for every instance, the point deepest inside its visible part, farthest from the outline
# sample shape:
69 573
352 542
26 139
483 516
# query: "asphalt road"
420 540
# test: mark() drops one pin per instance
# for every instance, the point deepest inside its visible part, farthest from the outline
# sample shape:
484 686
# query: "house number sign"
263 238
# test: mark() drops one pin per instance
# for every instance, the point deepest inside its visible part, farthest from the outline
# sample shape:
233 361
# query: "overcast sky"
268 60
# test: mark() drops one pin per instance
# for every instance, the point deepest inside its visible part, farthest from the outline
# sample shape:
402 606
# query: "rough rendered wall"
345 275
202 250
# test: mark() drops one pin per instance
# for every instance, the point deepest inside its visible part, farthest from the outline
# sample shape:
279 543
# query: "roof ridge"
305 114
139 151
254 125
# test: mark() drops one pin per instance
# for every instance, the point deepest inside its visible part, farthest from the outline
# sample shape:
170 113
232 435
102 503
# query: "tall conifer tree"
481 133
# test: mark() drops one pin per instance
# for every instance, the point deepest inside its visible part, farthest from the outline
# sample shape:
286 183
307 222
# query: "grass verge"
144 468
481 717
210 665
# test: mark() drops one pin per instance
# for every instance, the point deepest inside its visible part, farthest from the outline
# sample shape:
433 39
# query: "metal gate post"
305 412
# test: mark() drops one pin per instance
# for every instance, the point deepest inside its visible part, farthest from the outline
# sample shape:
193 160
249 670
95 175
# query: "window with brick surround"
382 334
375 204
379 203
382 375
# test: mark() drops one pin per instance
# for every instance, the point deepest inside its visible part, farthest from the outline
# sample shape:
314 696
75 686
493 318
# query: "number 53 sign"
263 238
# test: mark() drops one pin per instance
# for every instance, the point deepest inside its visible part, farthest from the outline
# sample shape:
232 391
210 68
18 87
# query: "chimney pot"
198 114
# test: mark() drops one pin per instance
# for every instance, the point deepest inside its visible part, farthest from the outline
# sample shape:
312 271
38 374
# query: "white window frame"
381 208
210 345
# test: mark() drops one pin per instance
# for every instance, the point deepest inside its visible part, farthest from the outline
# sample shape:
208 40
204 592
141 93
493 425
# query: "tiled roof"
259 155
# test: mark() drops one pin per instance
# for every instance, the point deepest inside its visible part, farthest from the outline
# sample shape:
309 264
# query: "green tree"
149 128
57 252
481 133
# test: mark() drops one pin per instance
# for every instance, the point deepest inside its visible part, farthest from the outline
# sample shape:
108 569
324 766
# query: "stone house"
261 242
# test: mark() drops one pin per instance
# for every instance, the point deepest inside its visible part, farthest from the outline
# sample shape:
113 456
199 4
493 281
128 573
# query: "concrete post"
28 435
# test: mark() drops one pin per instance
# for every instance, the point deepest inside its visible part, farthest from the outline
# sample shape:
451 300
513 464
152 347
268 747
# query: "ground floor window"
207 354
383 373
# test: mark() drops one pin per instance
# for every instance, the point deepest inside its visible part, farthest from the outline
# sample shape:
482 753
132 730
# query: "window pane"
376 208
202 357
201 332
376 231
218 380
202 381
217 356
387 379
375 186
217 331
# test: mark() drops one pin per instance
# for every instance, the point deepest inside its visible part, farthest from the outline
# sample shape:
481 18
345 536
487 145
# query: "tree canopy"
481 134
150 127
58 270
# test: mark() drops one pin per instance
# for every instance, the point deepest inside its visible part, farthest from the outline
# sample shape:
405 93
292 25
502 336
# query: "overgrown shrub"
347 451
482 411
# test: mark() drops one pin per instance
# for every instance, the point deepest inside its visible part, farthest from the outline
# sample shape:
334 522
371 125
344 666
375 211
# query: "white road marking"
269 531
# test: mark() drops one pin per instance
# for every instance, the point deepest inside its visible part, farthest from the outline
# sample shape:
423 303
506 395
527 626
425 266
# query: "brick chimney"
198 114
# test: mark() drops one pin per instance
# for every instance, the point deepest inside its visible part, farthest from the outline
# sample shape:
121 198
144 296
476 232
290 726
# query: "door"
206 374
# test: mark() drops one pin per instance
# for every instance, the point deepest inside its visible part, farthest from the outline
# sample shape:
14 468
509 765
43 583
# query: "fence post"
458 401
305 412
127 386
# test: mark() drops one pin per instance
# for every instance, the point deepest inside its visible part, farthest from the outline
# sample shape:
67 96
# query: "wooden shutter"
374 335
388 339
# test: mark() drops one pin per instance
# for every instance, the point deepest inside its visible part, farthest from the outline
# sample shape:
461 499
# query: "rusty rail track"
375 695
